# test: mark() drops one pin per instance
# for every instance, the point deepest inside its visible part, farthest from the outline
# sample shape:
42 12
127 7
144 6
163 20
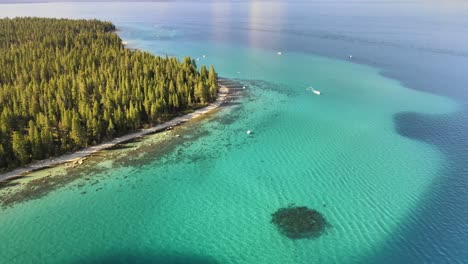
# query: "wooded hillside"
67 84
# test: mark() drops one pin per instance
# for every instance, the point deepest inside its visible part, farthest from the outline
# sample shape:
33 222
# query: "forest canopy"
68 84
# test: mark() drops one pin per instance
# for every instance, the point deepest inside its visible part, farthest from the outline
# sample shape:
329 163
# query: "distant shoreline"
65 1
78 156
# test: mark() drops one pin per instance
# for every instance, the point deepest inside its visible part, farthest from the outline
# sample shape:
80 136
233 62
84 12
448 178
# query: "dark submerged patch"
299 222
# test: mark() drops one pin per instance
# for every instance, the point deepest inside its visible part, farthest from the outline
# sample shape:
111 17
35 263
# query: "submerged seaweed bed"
299 222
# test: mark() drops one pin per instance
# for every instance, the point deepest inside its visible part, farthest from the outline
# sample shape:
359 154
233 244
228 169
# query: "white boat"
249 132
280 53
317 92
350 56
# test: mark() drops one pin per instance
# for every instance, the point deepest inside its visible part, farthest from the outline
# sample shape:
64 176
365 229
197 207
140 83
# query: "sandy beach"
78 157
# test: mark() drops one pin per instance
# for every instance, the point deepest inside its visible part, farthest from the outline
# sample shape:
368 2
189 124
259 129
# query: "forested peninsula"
68 84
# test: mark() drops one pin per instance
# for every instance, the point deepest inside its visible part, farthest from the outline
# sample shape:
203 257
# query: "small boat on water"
249 132
280 53
317 92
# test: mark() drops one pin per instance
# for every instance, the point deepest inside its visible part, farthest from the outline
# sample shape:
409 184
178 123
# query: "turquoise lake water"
382 153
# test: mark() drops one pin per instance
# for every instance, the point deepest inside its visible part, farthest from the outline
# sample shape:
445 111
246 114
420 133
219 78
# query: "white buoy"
280 53
243 87
350 56
249 132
